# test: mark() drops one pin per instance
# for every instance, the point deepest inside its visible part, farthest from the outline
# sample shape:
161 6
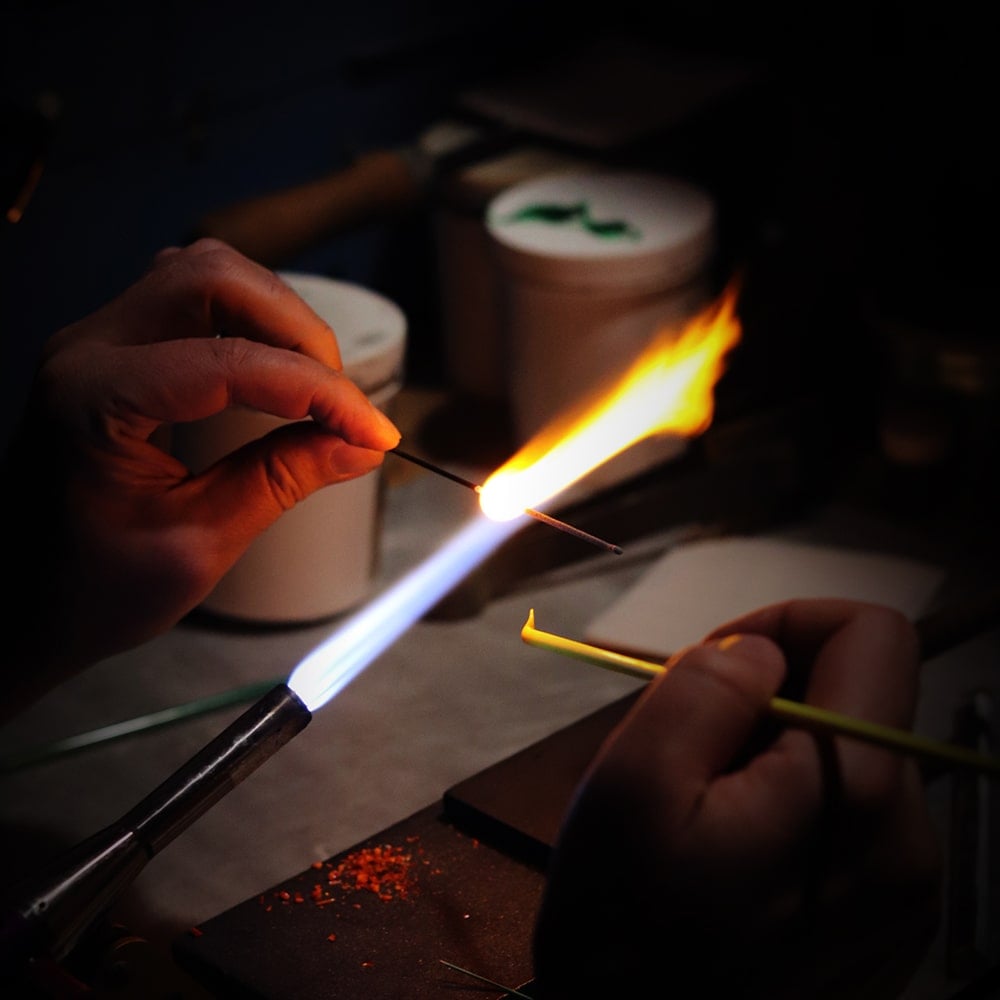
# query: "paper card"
697 587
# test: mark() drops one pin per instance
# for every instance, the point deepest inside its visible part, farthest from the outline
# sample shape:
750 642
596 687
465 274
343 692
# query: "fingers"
713 697
162 254
187 380
184 380
859 659
207 289
796 624
862 657
267 477
694 751
693 723
868 669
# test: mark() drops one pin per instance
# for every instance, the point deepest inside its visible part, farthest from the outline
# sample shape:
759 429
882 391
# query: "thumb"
702 712
246 491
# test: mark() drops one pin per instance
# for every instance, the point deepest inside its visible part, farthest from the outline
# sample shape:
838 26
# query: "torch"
56 906
46 915
668 389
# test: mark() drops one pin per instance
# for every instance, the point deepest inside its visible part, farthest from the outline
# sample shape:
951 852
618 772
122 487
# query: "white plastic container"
320 557
474 340
592 264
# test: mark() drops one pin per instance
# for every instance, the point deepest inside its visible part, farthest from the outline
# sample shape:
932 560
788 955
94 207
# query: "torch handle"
214 771
47 913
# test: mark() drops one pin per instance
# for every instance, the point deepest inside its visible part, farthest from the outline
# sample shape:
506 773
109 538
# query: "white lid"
370 329
601 228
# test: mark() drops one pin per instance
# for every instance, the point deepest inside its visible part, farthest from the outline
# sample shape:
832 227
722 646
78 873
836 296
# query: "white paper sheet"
696 587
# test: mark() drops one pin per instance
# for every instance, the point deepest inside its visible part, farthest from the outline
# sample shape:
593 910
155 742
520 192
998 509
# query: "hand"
114 540
710 853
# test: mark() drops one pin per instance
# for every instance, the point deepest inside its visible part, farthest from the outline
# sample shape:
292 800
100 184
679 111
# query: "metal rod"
436 469
571 530
552 522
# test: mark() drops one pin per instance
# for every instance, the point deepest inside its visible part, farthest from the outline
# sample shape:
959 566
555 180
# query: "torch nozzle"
46 914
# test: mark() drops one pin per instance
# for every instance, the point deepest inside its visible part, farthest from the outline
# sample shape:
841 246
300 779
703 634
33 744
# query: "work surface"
448 699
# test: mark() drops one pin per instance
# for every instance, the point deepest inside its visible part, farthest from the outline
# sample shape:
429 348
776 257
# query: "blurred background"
847 147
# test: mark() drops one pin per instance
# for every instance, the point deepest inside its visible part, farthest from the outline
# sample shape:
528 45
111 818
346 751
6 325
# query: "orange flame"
667 389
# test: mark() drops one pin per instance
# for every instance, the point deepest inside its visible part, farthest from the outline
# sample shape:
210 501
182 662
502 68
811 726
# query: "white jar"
320 557
592 265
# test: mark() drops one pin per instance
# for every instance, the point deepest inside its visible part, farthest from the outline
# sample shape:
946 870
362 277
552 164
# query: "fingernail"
747 645
388 427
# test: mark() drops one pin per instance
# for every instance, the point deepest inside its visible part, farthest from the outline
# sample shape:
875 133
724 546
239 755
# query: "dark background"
856 174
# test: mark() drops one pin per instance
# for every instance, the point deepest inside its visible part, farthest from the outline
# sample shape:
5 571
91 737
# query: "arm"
112 539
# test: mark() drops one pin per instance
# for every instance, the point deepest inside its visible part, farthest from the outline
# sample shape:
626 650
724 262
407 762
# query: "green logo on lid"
575 214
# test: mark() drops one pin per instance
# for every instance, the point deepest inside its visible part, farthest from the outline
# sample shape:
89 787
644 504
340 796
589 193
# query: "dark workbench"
407 754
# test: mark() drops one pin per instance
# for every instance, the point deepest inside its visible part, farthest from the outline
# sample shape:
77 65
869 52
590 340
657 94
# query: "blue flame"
336 661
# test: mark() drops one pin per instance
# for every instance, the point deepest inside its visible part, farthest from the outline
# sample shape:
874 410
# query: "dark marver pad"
465 884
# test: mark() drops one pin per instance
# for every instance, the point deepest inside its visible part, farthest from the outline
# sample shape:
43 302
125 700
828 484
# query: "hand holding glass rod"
552 522
792 712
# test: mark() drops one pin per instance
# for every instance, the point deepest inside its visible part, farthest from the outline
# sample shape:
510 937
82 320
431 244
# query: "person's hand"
114 540
710 853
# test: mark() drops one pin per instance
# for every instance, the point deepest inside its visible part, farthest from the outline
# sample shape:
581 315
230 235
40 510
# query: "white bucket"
320 557
592 265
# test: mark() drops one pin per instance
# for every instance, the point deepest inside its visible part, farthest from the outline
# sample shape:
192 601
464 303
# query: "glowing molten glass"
667 390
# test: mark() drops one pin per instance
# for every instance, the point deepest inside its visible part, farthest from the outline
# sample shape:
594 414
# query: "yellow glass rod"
794 713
